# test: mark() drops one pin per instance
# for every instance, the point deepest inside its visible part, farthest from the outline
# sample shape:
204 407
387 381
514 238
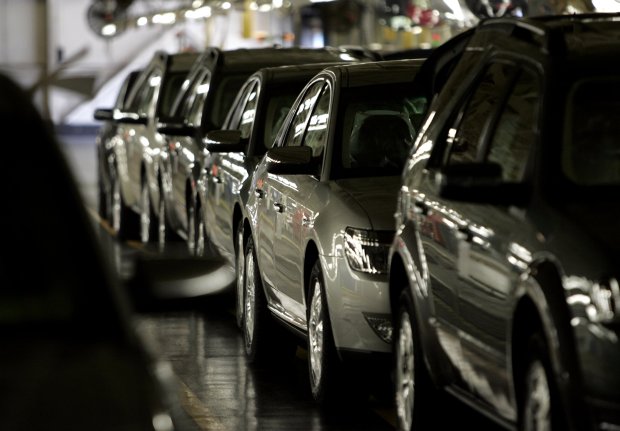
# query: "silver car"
320 219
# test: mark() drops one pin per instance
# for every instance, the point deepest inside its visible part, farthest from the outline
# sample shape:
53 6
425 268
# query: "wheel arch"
310 257
544 295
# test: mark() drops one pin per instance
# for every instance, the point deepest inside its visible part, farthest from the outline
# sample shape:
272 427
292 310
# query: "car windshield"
377 131
591 149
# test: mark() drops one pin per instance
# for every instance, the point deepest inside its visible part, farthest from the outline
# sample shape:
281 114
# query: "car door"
184 149
299 205
492 242
271 204
227 169
442 223
143 103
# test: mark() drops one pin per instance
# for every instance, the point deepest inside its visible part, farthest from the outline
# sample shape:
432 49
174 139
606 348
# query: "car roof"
558 35
282 74
373 73
251 59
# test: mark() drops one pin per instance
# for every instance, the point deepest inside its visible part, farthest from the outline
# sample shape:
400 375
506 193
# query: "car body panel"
299 217
204 105
491 259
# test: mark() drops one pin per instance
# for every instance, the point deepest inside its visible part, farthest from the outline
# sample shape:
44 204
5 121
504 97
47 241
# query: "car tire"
414 391
148 229
540 409
124 222
323 361
240 272
193 231
256 321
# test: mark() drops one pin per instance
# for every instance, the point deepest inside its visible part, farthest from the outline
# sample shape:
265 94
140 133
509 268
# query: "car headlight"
605 304
367 250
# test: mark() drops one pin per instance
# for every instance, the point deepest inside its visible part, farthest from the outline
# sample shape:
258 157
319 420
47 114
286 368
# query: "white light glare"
203 12
108 30
226 5
142 21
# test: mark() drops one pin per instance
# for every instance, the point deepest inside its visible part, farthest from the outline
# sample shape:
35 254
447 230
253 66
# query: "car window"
278 107
233 118
297 127
195 104
222 99
465 136
591 153
142 101
248 114
316 135
376 130
171 86
516 128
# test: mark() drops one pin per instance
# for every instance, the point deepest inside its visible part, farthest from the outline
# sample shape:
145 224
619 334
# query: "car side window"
316 134
194 115
142 103
233 117
466 135
516 129
248 114
297 126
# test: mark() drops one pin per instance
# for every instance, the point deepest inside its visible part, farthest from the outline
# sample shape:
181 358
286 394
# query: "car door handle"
278 207
464 233
259 193
420 207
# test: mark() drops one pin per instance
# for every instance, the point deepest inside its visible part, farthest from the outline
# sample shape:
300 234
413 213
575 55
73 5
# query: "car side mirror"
290 161
225 141
480 183
176 129
129 117
104 114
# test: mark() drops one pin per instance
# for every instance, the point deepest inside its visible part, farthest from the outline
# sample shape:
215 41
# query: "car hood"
376 195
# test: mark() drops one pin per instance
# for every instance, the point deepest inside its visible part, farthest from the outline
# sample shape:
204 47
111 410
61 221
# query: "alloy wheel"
240 279
537 409
250 296
115 204
404 372
315 335
145 213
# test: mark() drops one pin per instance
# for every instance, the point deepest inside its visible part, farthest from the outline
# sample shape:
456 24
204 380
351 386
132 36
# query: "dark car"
504 267
109 200
71 358
319 221
132 159
208 94
248 131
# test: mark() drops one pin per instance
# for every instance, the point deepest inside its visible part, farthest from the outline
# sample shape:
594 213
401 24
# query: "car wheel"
123 219
322 358
146 214
255 308
414 391
162 228
192 231
240 271
102 201
540 403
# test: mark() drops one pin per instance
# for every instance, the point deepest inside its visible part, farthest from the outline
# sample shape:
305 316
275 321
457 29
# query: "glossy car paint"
484 275
224 186
298 219
138 146
209 93
108 131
